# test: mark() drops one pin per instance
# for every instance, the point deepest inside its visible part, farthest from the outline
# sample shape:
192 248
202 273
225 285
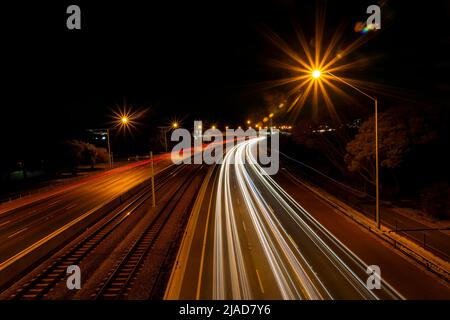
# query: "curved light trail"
268 246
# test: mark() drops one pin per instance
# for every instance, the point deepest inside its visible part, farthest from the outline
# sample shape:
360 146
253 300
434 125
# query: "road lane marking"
259 281
21 254
16 233
176 280
4 223
292 241
54 202
328 235
71 206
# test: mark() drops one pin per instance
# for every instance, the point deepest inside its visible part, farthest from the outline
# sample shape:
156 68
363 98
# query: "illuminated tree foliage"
400 130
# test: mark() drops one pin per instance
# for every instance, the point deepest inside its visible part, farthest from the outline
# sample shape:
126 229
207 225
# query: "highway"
249 236
29 223
414 227
253 240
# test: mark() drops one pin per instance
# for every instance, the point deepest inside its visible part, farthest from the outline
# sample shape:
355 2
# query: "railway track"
120 279
42 283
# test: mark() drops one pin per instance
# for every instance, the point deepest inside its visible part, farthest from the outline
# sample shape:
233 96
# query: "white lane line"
259 281
292 241
54 202
40 242
16 233
4 223
71 206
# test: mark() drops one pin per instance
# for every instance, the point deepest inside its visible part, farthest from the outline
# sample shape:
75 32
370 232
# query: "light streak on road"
268 246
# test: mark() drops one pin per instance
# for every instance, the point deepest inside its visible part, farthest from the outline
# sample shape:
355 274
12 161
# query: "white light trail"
266 244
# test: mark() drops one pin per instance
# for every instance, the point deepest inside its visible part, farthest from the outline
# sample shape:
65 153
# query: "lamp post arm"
352 86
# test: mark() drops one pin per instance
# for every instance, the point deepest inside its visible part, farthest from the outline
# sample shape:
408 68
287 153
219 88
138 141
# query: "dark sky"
193 59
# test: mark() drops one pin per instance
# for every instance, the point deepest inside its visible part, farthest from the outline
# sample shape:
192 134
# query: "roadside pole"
109 149
153 180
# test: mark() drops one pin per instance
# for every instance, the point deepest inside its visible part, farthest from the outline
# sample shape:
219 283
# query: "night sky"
187 59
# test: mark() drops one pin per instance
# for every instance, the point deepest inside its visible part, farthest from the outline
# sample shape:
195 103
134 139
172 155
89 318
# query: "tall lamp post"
317 74
122 121
165 130
109 148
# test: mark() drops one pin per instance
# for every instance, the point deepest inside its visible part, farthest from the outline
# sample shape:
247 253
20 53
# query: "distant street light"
122 120
166 129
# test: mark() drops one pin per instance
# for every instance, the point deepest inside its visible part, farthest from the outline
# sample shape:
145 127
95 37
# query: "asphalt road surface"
27 222
253 240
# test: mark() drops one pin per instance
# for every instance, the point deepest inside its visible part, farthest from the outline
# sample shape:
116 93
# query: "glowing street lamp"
122 120
165 129
316 74
316 71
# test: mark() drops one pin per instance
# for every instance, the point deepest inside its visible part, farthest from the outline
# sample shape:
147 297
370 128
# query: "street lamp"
122 121
316 75
166 129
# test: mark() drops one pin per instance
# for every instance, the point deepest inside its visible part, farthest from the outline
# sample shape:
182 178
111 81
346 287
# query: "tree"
79 152
90 154
74 153
400 130
102 155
